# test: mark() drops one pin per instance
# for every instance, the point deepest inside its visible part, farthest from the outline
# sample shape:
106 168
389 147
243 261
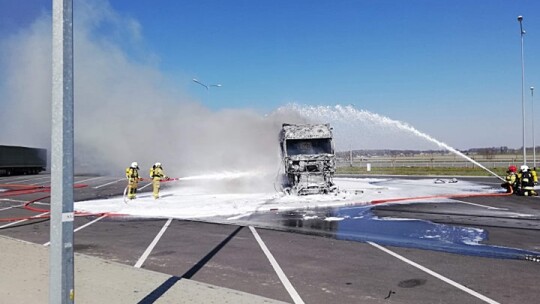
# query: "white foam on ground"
180 200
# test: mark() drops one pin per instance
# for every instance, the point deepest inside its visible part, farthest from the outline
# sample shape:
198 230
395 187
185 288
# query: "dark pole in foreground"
532 115
61 270
520 19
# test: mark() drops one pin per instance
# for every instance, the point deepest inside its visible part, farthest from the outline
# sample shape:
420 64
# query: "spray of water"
349 115
222 175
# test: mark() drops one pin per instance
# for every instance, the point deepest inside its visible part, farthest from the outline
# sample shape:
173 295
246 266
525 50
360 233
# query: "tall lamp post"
520 20
532 114
61 257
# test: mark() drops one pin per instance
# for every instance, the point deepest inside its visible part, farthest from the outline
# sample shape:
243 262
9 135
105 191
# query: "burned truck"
308 158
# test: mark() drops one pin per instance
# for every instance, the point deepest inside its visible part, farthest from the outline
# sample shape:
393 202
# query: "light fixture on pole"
520 20
532 115
206 86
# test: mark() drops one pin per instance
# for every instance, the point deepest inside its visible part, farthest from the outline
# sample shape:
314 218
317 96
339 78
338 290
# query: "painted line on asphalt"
11 207
26 180
90 223
148 250
284 280
433 273
15 178
21 201
89 179
83 226
479 205
150 183
116 181
22 221
4 178
7 208
491 183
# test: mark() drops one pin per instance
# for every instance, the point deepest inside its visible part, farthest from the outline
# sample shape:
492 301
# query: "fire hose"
15 190
463 195
168 179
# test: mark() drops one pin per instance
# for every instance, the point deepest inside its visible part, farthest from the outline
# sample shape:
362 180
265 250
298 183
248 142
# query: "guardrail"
394 163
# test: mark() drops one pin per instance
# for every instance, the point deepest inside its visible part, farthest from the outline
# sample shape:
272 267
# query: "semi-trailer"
15 160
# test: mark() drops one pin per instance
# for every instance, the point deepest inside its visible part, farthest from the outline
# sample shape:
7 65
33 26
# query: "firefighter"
157 174
511 179
132 174
526 182
535 176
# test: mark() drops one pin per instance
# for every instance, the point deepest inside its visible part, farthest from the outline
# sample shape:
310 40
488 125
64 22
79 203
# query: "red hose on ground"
442 196
14 190
163 180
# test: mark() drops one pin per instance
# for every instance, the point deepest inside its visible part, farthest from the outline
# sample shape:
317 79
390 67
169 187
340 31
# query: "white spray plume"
124 111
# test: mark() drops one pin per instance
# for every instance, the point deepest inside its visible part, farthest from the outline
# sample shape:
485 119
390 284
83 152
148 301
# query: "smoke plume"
124 111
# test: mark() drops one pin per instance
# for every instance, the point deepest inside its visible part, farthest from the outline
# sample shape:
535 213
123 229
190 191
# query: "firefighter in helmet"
132 174
511 179
157 174
526 182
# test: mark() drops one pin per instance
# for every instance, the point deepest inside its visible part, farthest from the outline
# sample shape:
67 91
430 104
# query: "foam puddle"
360 224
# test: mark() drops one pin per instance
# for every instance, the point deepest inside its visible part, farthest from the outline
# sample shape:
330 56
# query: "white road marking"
145 186
433 273
483 206
284 280
116 181
90 223
15 178
44 184
13 200
6 178
10 207
83 226
26 180
509 214
22 221
22 201
152 245
490 183
89 179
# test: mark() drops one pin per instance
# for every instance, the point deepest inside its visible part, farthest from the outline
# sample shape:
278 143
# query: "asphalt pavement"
161 260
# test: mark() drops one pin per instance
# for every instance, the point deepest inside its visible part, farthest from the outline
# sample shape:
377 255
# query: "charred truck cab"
308 157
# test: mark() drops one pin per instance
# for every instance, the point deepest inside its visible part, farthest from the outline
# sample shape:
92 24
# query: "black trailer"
22 160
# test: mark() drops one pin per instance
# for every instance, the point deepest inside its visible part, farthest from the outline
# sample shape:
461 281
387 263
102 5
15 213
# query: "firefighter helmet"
512 168
524 168
134 165
158 164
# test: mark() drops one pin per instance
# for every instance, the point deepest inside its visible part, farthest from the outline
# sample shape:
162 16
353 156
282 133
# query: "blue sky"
428 63
385 56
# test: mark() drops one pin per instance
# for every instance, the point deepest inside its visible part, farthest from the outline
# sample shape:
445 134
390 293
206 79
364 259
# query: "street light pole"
532 115
61 257
520 20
